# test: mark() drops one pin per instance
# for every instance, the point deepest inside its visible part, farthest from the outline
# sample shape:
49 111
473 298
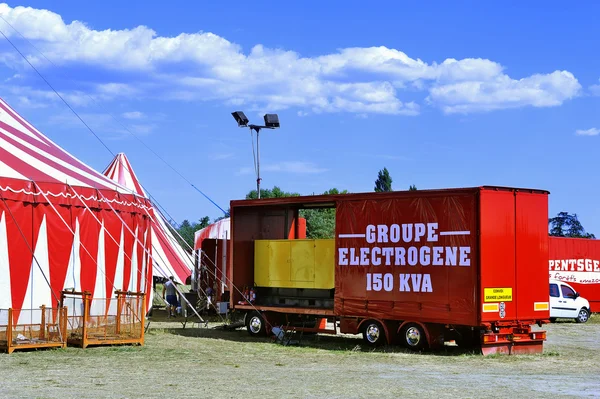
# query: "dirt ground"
198 362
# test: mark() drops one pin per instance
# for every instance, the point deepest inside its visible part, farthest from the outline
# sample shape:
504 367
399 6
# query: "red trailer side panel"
498 253
577 262
532 254
514 247
408 256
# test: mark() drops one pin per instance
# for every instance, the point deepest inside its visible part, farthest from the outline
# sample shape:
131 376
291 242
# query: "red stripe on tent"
56 152
136 183
60 242
24 168
128 239
20 256
50 162
23 122
89 232
112 227
149 271
110 171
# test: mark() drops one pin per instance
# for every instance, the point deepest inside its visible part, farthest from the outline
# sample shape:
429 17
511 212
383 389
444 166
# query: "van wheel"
583 316
373 333
413 337
255 324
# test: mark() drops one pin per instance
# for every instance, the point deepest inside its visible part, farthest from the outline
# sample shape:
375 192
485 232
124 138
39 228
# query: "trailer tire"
413 337
373 333
583 316
255 324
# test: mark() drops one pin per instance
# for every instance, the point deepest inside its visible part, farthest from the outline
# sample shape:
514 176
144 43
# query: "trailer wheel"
255 324
583 316
413 336
373 333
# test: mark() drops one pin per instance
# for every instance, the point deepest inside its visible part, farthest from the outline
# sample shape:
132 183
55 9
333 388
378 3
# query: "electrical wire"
85 124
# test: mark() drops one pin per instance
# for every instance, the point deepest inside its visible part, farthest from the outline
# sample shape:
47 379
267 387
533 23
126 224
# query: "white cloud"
504 92
205 66
595 89
589 132
295 167
133 115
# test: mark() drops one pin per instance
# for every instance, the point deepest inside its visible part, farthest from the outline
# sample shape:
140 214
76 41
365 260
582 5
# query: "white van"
566 303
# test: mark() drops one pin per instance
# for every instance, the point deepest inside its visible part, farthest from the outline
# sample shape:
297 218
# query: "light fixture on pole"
271 122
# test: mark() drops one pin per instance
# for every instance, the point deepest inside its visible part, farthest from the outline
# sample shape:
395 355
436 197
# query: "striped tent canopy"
169 258
64 224
218 230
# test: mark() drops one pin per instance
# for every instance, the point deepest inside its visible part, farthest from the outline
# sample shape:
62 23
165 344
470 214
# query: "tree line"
320 223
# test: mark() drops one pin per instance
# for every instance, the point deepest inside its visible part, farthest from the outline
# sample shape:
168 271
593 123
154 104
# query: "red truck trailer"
415 267
577 262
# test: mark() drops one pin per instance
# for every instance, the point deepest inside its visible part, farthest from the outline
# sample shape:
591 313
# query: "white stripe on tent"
6 171
73 277
144 264
9 120
41 150
120 270
98 306
5 300
38 289
39 165
134 264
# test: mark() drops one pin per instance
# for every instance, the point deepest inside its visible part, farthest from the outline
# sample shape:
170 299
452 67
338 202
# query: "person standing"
171 296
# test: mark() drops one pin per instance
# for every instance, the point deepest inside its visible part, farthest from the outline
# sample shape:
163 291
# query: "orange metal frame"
95 336
44 339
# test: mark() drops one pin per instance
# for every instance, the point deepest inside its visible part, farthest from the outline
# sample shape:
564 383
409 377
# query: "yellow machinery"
300 263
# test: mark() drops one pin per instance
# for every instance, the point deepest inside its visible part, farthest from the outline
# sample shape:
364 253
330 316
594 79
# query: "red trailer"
576 261
415 267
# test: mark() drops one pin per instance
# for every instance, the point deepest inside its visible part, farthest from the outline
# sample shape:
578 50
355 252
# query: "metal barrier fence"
33 328
104 321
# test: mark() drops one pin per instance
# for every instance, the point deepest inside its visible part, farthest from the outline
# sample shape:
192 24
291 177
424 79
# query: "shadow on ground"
338 342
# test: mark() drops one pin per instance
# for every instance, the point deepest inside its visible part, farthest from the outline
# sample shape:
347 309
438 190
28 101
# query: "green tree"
186 232
567 225
384 181
320 223
276 192
412 188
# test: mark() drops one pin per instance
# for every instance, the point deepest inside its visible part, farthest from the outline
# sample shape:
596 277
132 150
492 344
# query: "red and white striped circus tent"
219 230
64 225
169 259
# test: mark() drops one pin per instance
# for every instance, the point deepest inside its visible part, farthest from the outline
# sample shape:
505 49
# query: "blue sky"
443 95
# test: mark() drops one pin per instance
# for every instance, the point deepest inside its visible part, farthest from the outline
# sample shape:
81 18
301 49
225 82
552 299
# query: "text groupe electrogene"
411 255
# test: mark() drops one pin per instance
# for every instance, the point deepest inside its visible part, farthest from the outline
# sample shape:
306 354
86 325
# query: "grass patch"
218 363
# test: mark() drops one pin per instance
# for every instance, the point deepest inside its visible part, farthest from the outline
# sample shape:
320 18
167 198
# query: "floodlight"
271 121
240 118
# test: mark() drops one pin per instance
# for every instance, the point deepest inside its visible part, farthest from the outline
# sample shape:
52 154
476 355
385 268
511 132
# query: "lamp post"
271 122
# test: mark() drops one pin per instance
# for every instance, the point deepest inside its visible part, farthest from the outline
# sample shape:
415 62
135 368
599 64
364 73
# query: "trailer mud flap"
518 342
513 348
